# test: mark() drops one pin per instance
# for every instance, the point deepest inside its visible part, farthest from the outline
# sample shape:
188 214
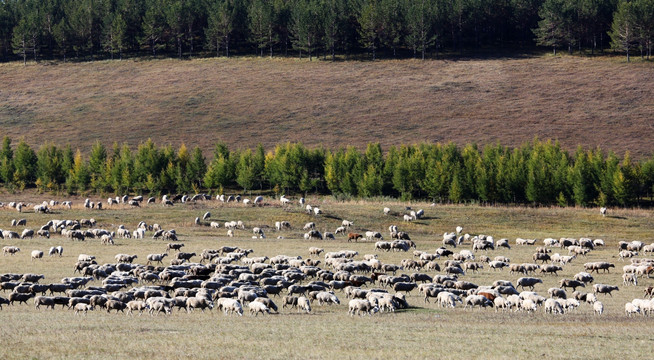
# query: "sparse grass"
424 331
243 101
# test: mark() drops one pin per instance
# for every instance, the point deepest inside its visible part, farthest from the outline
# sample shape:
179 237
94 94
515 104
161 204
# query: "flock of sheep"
231 279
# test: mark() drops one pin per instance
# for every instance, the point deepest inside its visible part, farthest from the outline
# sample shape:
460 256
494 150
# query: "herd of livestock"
235 281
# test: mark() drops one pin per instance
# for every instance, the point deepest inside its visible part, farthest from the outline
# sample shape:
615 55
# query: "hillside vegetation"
242 102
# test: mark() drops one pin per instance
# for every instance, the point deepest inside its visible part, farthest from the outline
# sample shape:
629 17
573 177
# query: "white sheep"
85 257
257 307
309 226
387 211
528 305
598 308
553 307
258 232
303 304
230 306
631 309
37 254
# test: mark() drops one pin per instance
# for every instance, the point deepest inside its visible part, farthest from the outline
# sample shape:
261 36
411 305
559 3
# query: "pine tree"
623 30
245 172
6 161
196 167
25 165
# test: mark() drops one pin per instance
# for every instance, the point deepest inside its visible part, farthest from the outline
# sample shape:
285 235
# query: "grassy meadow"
422 331
244 101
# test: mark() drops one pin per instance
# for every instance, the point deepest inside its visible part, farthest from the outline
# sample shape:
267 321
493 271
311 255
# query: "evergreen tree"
197 167
419 17
245 171
221 17
79 175
6 161
371 26
554 30
25 165
623 30
261 16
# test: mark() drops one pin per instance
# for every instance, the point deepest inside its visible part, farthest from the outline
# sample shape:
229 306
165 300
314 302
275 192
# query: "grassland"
423 331
579 101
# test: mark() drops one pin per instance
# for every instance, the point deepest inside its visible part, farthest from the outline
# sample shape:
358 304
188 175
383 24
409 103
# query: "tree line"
92 29
538 172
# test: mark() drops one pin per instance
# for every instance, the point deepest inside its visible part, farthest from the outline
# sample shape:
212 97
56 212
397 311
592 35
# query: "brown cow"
354 236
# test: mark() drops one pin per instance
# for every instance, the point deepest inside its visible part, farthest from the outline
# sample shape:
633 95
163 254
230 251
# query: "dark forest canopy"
535 173
97 29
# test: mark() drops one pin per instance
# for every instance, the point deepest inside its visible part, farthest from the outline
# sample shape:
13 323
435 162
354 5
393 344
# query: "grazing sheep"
230 306
497 264
258 232
372 235
604 289
125 258
557 293
631 309
553 307
303 304
155 258
258 307
551 269
629 279
449 239
603 211
36 254
136 305
45 301
174 246
160 306
528 282
27 233
361 307
20 297
584 277
268 302
11 250
574 284
598 308
82 307
290 301
597 266
477 300
315 251
198 303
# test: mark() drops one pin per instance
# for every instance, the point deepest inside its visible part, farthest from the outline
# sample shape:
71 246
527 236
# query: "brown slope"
592 102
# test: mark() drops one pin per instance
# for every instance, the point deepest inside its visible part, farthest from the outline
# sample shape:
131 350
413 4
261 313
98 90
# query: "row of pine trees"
535 173
90 29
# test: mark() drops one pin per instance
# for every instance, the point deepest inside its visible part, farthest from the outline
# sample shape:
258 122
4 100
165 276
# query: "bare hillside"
579 101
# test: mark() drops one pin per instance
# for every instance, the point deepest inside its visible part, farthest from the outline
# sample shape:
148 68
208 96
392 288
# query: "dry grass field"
243 101
423 331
